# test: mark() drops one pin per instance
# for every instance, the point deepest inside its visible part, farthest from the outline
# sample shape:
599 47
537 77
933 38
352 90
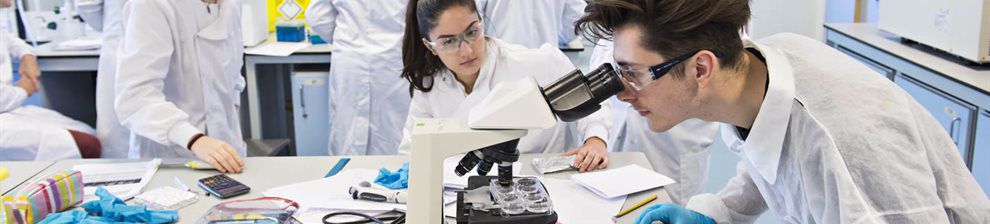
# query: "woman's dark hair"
419 64
673 27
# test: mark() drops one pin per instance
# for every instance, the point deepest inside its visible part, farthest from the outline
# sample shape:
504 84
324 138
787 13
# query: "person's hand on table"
29 68
218 153
593 155
669 213
28 85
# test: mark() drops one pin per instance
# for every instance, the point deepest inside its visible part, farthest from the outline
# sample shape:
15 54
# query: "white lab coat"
680 153
30 132
507 62
105 16
178 74
368 98
834 143
532 23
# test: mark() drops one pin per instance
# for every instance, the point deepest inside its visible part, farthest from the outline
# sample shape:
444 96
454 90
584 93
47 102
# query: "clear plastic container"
538 207
525 195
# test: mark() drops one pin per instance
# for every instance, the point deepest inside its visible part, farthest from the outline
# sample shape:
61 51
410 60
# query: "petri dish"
532 198
538 207
526 181
513 208
529 189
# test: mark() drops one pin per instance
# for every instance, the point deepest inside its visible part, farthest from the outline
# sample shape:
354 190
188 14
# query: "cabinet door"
981 152
954 115
310 109
881 69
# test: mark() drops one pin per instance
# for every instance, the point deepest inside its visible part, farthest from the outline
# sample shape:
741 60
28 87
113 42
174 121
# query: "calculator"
222 186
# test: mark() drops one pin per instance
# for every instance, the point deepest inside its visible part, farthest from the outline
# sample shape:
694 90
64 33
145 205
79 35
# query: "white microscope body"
436 139
503 116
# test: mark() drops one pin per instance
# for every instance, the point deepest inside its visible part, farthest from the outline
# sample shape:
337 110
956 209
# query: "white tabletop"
21 172
263 173
870 34
46 50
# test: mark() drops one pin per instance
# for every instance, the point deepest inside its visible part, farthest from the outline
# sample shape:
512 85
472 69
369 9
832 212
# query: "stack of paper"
331 192
574 204
629 179
123 180
280 49
79 44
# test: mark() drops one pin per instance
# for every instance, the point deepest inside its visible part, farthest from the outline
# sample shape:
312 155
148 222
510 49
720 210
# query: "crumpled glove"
394 180
110 209
672 214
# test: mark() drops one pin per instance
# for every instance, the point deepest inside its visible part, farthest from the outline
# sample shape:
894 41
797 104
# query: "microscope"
492 130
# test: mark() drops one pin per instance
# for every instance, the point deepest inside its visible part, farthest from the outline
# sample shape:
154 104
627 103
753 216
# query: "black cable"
366 218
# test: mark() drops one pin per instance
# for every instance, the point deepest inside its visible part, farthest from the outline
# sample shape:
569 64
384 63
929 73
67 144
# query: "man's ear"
704 66
428 46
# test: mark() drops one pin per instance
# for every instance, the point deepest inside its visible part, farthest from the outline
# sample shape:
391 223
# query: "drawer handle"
302 100
953 123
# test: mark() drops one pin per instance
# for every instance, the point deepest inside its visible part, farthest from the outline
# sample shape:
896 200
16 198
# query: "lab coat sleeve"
142 66
573 10
11 97
18 48
418 108
322 18
239 82
739 202
91 11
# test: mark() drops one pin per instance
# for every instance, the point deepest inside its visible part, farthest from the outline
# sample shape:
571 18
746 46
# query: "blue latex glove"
111 208
394 180
672 214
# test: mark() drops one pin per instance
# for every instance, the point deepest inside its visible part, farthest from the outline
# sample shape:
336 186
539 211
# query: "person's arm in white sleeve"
18 48
322 18
28 67
419 107
739 202
91 11
142 66
239 82
11 97
573 10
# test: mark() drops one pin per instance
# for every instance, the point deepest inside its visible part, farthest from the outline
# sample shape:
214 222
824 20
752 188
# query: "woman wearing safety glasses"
451 66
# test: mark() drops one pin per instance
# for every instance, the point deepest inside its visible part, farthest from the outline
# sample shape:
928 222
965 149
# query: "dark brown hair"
674 27
419 64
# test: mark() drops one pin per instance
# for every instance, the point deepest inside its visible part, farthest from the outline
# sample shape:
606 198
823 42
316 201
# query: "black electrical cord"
396 219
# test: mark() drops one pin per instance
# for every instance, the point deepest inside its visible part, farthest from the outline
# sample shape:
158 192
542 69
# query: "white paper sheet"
124 180
622 181
79 44
451 180
331 192
280 49
575 204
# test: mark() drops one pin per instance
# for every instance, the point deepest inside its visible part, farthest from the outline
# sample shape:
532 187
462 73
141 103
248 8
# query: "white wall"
805 17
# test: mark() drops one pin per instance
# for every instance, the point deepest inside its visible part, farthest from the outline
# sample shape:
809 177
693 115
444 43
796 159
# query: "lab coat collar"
765 142
217 30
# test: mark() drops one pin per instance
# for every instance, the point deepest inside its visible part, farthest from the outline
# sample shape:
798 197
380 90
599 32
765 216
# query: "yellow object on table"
4 173
634 207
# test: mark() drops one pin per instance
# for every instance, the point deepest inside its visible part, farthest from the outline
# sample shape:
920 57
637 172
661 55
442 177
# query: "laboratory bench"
955 92
21 171
263 173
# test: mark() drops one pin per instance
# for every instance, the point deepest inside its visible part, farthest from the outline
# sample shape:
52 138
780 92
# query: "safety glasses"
449 43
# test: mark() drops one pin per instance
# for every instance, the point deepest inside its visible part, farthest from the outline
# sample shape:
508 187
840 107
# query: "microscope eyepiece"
576 96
